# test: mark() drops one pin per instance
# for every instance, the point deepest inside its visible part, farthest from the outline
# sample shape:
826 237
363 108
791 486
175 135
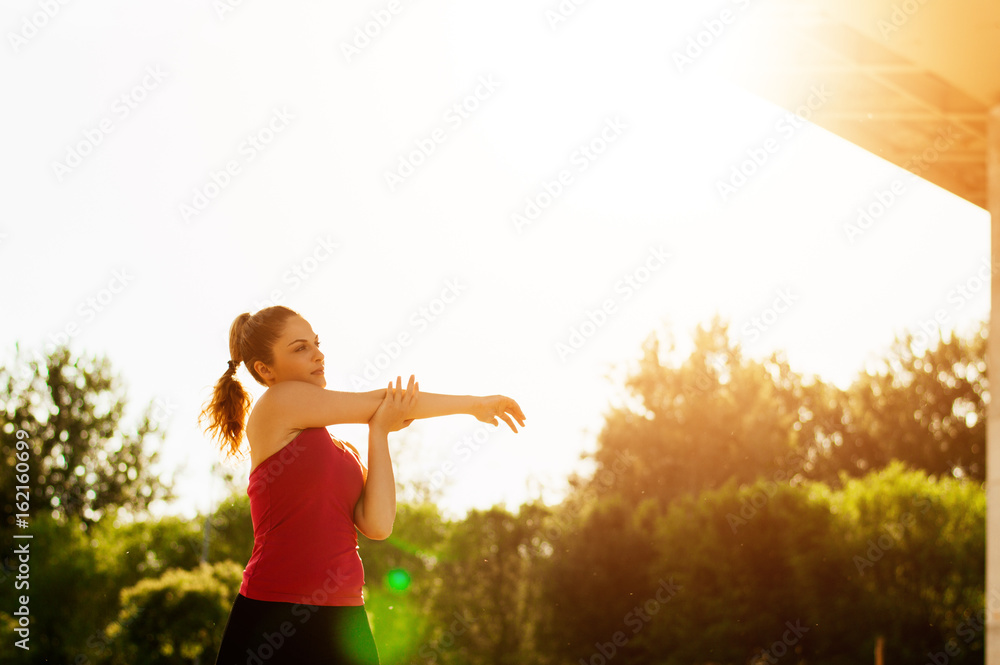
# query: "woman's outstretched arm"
485 409
302 405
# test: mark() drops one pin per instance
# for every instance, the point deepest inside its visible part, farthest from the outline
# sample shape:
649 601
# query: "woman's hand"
488 409
389 416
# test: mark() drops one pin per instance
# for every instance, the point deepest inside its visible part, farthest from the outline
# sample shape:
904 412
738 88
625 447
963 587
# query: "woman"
300 600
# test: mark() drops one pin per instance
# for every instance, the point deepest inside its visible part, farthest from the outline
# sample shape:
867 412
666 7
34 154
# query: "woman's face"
296 355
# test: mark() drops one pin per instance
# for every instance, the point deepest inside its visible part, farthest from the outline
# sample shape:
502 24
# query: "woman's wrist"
474 404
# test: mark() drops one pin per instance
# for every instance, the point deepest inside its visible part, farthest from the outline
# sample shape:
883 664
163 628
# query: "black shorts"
260 632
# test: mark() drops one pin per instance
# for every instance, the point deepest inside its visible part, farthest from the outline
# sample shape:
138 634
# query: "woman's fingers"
515 409
518 412
396 393
506 419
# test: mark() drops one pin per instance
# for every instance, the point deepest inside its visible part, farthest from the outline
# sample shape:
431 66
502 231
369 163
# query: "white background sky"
322 178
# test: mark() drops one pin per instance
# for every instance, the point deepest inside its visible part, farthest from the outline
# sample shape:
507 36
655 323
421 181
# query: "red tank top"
305 544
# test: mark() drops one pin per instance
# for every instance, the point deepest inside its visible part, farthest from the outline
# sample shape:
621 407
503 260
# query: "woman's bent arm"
376 509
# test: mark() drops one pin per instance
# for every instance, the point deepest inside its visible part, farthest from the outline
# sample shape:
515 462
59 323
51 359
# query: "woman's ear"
263 371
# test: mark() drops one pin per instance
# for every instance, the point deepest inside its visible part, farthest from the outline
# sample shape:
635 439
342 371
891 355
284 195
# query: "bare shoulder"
302 405
288 390
266 430
277 401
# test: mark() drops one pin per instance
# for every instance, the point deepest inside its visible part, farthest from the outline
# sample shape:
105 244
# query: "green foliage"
917 548
83 464
923 406
748 560
175 618
733 500
718 416
66 574
596 574
230 529
717 450
399 617
483 605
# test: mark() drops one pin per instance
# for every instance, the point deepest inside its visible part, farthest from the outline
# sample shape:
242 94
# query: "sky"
495 197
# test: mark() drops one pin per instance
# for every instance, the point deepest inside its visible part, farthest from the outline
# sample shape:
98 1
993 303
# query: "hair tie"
232 365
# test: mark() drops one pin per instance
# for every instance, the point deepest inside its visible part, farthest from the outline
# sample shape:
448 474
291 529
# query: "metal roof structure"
911 81
916 82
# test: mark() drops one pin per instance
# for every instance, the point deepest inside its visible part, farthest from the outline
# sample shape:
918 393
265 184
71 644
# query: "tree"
716 416
597 574
925 407
762 578
72 591
81 462
231 529
177 617
918 557
400 579
483 608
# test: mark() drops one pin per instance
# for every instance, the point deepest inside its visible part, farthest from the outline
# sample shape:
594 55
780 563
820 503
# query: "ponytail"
251 338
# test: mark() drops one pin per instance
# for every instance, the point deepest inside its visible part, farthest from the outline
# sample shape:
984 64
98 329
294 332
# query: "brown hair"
251 338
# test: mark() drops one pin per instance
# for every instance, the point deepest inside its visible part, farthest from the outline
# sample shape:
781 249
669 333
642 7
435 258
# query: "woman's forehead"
297 327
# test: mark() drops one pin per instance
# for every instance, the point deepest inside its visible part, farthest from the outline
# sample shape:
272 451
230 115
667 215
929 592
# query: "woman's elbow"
376 531
380 533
